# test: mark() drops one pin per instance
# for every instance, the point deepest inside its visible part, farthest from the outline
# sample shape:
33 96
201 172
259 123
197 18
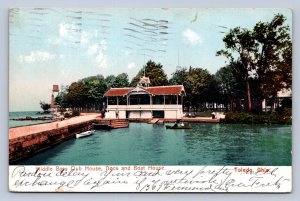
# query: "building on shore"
145 102
283 94
53 106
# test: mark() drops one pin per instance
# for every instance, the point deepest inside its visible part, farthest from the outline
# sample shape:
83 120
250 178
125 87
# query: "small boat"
179 126
85 134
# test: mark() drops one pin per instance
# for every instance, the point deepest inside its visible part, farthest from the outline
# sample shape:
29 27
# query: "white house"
284 93
145 102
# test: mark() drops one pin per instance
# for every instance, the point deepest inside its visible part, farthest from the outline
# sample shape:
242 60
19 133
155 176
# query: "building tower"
144 82
55 89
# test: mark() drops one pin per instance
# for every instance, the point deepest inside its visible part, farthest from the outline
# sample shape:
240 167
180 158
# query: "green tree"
199 84
60 99
109 80
179 77
265 54
154 71
96 87
121 81
77 95
45 106
230 85
241 41
274 56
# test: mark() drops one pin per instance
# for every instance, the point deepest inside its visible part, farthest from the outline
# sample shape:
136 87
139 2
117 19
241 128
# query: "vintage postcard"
150 100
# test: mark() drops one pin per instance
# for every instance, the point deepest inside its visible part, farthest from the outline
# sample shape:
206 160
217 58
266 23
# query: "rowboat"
85 134
178 126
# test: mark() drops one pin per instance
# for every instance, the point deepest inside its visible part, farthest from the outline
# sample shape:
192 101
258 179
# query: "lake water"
16 115
147 144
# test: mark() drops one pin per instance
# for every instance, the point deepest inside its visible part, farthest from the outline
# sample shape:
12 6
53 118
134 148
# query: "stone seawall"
28 145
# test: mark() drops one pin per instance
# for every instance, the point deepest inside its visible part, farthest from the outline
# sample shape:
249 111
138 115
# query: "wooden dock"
153 121
119 123
161 121
113 123
184 119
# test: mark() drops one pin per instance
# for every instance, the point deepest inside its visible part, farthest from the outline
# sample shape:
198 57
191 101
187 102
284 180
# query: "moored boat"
176 126
85 134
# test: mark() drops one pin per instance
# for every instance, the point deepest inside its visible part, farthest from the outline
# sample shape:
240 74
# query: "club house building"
145 102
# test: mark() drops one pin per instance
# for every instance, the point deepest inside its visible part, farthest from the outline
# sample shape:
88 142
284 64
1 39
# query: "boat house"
145 101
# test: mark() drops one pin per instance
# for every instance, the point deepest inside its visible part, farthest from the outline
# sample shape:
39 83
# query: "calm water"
147 144
15 115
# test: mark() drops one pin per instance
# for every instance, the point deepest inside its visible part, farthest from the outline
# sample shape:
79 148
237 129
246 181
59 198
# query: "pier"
112 123
26 141
172 120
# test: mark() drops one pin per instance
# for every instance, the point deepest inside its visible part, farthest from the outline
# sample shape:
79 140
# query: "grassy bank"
280 117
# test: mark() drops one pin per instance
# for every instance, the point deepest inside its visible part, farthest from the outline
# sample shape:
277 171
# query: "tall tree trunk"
249 96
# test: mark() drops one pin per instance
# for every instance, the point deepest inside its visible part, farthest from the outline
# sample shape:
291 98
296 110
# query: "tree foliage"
231 85
120 81
60 100
96 87
241 41
199 84
88 92
265 56
109 80
45 106
274 56
77 95
154 71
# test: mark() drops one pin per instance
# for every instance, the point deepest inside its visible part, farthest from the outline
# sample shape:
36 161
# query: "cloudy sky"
60 46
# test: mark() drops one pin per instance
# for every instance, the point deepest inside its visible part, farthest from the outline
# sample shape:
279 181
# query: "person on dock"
102 114
117 114
213 115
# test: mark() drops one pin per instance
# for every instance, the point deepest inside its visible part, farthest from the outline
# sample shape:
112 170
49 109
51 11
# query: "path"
31 129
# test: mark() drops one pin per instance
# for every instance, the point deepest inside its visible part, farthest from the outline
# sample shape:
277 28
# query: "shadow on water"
46 155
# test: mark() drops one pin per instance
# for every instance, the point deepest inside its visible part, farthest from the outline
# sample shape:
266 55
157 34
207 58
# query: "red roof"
158 90
165 90
117 91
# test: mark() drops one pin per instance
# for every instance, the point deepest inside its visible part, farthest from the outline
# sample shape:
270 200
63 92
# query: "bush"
75 113
286 115
45 106
262 118
238 118
286 103
67 115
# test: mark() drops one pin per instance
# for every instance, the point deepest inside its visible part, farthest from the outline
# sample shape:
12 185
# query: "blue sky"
60 46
